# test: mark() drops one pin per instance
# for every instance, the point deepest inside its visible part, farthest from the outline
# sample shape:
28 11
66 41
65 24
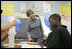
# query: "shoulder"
38 20
61 29
28 21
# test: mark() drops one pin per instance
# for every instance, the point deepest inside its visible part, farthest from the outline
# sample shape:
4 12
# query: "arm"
53 41
7 26
4 35
42 33
28 32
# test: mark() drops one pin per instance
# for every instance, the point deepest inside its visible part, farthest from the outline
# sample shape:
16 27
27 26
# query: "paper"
46 7
22 6
24 16
18 15
64 9
30 46
8 9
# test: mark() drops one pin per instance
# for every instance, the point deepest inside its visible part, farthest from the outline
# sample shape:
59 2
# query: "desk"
22 45
6 45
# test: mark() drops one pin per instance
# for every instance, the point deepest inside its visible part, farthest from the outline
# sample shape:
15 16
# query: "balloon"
46 20
18 24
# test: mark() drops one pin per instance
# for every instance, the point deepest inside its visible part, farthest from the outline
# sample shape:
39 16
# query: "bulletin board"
65 9
36 7
8 9
20 15
46 7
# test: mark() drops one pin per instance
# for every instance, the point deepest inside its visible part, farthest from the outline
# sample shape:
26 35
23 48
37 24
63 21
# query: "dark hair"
53 16
1 11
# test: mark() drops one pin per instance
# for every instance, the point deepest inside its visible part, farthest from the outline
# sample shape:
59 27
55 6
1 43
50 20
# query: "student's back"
59 38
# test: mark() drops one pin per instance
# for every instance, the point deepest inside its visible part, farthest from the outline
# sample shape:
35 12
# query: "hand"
6 31
43 38
30 39
13 23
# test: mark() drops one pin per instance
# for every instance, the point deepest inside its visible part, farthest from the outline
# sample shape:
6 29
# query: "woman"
34 28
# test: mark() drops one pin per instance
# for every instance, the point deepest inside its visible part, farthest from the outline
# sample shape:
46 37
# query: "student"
5 29
59 37
34 28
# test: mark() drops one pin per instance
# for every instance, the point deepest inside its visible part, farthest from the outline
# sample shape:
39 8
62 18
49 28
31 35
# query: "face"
32 16
52 22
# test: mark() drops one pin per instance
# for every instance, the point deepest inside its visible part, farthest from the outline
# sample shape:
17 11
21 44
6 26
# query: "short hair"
53 16
28 12
1 11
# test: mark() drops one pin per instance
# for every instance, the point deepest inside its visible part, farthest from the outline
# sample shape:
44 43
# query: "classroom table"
24 45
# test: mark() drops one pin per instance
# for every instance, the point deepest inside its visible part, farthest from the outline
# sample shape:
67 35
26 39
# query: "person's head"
55 20
30 14
1 11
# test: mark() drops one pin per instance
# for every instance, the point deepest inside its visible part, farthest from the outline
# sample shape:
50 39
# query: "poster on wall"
65 9
8 9
22 6
18 15
46 7
36 7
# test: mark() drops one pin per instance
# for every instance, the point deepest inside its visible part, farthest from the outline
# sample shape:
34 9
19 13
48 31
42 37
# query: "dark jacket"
59 38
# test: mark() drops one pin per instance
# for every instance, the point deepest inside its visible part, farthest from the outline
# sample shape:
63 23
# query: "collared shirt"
34 28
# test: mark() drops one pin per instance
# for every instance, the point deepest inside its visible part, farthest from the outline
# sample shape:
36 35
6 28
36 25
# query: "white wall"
54 9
